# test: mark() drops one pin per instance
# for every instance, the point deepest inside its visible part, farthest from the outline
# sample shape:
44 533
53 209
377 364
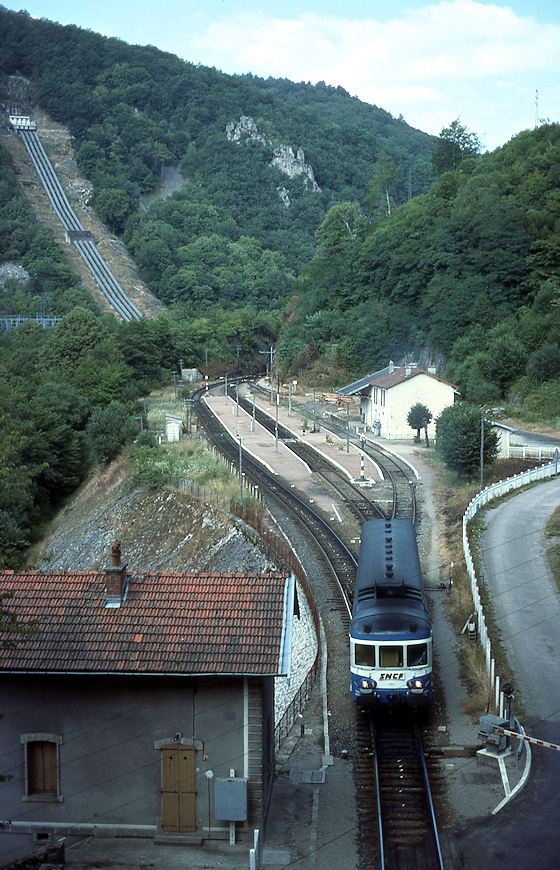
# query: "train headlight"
368 684
415 685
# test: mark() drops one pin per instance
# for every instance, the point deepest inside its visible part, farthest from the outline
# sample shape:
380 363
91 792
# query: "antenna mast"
536 108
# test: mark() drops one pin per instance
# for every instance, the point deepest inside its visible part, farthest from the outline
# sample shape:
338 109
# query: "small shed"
191 375
504 434
173 427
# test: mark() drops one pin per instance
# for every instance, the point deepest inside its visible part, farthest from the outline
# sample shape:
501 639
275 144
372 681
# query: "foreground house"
142 705
387 396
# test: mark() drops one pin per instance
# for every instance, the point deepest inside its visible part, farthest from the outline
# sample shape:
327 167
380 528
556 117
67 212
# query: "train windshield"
390 656
364 655
417 655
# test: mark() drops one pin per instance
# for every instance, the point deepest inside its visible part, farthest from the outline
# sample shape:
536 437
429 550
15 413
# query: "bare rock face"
161 529
283 157
16 273
244 129
293 165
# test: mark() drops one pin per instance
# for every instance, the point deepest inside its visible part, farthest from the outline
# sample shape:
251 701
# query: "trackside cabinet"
230 799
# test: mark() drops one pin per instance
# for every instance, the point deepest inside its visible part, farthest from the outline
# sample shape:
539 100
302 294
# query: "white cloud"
449 59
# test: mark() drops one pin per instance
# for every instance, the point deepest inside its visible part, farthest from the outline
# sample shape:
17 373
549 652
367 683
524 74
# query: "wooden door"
178 794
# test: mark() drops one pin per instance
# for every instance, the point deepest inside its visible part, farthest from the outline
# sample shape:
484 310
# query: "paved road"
527 607
524 595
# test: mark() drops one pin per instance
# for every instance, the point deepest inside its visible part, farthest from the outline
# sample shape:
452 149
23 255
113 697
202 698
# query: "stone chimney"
432 368
391 366
115 579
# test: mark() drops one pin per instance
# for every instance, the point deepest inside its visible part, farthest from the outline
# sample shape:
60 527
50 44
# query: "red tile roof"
167 624
386 380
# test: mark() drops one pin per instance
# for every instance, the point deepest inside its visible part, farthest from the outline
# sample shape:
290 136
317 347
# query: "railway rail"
396 821
358 502
82 241
340 561
395 497
401 497
398 818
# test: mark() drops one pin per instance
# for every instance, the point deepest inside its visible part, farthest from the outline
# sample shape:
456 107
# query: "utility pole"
276 425
481 450
269 371
314 410
240 472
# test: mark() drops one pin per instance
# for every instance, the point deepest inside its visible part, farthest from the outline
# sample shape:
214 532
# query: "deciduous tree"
458 431
418 418
454 144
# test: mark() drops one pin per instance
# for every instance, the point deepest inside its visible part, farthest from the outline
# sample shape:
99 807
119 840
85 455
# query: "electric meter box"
230 799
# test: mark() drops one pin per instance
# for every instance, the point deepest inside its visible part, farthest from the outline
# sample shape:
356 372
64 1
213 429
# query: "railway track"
399 497
82 241
338 558
396 822
394 497
398 816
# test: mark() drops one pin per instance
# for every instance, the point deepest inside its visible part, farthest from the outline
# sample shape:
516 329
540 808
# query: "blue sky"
431 62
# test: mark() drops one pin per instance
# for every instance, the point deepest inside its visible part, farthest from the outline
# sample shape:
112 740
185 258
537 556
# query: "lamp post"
269 370
240 472
276 424
482 413
314 410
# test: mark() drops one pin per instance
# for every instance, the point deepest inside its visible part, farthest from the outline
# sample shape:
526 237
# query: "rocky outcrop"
294 164
283 157
16 273
245 129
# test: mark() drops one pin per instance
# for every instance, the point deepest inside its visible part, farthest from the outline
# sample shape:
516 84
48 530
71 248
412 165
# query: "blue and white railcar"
390 632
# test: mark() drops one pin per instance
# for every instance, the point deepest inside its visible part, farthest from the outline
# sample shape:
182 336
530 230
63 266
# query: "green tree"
418 418
505 358
385 176
458 431
108 430
455 143
544 362
114 206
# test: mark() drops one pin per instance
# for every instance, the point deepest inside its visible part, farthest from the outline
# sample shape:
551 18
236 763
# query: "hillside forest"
383 243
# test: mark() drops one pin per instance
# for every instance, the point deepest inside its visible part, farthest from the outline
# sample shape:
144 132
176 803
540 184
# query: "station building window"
42 766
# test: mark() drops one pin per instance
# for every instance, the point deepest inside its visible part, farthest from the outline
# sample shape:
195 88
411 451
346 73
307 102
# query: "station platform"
277 456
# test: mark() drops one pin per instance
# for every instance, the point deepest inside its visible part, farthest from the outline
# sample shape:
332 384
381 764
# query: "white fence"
491 492
533 451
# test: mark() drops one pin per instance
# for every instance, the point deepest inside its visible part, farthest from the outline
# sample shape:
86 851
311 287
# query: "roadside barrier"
496 490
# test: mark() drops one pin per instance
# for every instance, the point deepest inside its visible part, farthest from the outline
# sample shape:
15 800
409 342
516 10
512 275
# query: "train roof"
389 565
384 618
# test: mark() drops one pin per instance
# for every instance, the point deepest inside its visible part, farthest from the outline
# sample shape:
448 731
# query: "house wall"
398 401
111 731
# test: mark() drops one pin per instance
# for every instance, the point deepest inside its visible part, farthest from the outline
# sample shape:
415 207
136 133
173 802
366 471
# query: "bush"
108 430
458 438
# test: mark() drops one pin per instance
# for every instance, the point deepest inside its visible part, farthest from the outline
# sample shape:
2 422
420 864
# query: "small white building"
191 375
173 427
387 396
